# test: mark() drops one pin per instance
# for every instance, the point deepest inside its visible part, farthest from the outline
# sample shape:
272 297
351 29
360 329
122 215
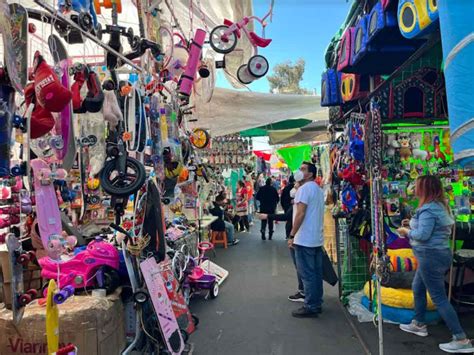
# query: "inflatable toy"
417 18
330 88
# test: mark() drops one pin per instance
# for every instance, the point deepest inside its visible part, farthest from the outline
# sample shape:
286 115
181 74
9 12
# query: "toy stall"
106 169
399 108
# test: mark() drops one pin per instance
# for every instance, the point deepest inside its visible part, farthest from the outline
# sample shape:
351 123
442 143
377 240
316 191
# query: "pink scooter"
186 80
95 266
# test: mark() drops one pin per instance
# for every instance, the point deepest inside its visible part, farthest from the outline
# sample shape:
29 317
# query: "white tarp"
232 111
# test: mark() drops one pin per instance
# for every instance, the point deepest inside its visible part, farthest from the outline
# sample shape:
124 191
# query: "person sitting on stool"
220 225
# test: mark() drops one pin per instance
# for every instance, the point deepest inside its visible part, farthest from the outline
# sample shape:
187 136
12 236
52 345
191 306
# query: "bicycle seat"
230 23
259 41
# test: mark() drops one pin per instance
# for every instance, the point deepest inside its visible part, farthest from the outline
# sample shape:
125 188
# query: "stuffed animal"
392 144
446 143
405 150
416 145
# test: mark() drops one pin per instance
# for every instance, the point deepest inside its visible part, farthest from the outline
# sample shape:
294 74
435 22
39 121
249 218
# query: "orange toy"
108 5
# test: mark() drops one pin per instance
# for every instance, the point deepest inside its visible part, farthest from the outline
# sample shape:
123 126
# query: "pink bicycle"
223 39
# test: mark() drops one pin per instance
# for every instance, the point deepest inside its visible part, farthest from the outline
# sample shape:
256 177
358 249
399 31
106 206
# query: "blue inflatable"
417 18
331 88
401 315
457 37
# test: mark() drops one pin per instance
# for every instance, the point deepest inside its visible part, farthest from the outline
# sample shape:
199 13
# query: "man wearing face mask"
306 237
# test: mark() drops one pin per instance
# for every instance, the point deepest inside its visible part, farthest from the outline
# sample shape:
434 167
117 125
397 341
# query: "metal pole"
94 39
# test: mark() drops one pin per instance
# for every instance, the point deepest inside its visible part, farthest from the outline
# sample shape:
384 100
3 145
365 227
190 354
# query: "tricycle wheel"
214 291
258 66
140 297
243 75
220 45
111 279
195 319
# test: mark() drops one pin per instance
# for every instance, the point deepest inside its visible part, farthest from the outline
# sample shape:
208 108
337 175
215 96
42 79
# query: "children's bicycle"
223 39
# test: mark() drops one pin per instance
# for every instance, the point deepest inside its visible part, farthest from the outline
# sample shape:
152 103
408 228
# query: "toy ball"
93 183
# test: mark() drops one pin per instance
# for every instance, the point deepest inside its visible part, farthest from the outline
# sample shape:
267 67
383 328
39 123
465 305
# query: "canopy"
282 125
296 135
232 111
294 156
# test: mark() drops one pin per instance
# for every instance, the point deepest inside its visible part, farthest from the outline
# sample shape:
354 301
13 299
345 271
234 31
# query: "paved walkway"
252 314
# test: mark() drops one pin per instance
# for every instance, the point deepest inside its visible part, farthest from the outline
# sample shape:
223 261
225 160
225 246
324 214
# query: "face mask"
293 193
298 175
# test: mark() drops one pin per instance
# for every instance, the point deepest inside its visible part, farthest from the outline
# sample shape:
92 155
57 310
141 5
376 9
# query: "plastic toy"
223 39
185 84
437 149
97 265
81 12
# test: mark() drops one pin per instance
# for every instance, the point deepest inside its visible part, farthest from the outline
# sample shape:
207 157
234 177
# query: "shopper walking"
220 224
285 194
307 239
429 231
268 198
242 207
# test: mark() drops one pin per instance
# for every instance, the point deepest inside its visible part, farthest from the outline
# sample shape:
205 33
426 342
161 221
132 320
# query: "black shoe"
297 297
235 241
263 236
304 313
270 236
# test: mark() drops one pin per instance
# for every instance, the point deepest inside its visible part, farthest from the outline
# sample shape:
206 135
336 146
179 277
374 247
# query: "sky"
300 29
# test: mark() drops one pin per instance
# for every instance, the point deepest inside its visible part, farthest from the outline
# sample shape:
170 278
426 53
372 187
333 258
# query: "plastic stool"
219 238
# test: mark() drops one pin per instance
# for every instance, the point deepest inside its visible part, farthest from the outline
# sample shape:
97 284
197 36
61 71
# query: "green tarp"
294 156
286 124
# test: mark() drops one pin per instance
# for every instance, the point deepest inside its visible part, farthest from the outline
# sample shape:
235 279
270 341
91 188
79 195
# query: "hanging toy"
405 150
437 149
446 142
418 153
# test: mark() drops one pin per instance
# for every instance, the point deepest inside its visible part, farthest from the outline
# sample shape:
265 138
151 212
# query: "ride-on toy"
223 39
97 265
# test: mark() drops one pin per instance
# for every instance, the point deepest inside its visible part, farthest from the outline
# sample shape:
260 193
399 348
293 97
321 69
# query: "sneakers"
234 242
420 330
304 313
458 346
297 297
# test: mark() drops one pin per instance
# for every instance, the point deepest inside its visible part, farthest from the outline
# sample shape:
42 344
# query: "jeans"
244 223
264 226
309 263
432 267
300 282
229 228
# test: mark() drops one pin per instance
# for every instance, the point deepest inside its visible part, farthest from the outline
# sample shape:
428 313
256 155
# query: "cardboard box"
94 325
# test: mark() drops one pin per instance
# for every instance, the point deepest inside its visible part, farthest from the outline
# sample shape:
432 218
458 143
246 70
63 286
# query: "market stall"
391 124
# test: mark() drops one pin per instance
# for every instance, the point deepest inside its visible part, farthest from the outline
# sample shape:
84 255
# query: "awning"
282 125
296 135
294 156
232 111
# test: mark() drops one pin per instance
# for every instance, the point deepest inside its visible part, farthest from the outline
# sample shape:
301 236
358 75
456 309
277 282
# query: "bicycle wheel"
125 185
219 44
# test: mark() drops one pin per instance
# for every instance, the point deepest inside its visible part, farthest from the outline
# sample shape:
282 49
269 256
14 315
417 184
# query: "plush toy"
416 145
446 143
392 144
405 150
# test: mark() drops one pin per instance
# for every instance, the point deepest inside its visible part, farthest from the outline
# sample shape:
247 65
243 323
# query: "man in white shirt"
306 237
